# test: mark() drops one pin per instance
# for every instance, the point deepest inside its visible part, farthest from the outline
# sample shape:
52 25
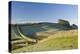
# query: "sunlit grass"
60 41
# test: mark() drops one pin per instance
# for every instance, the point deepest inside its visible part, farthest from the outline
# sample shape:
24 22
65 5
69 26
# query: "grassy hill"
59 41
48 36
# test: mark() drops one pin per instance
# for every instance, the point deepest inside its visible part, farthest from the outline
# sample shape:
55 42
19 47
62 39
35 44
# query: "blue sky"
25 12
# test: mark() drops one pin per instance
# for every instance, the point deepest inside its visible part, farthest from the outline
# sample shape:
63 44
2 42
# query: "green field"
59 41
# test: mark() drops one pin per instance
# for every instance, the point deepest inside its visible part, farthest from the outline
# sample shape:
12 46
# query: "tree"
64 23
74 26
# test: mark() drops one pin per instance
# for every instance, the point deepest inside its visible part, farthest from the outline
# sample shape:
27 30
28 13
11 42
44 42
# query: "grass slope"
59 41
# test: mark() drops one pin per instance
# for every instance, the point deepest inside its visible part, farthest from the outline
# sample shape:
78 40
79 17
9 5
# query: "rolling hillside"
59 41
48 36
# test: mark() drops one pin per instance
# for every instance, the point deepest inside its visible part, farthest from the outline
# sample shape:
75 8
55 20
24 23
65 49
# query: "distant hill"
30 29
38 27
43 25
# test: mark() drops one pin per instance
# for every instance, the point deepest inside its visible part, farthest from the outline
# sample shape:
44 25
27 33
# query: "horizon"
38 22
25 12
